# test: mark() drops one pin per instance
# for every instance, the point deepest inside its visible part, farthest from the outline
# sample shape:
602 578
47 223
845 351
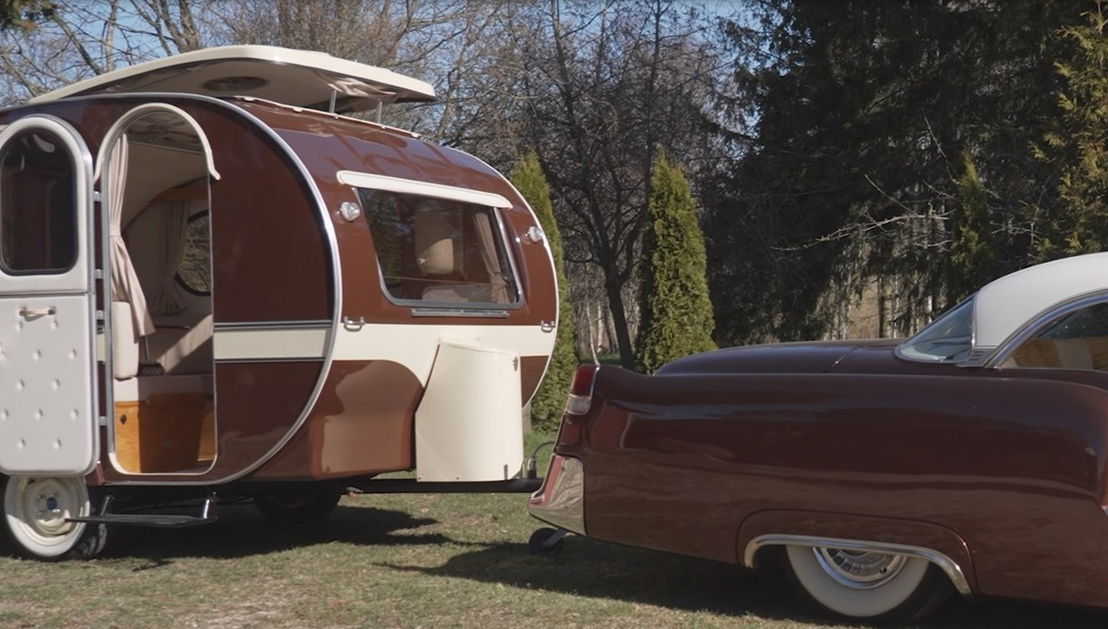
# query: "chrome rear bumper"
561 500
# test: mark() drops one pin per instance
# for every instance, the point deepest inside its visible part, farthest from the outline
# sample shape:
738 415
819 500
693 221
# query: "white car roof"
294 77
1005 305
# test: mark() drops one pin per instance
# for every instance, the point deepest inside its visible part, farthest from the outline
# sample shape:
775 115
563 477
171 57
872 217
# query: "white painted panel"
468 425
269 343
414 345
46 399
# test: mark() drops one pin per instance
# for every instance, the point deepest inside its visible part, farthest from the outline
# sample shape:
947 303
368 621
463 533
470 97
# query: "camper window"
195 272
437 251
38 213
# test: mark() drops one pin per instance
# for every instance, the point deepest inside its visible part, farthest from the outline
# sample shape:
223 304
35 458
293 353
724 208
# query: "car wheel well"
763 549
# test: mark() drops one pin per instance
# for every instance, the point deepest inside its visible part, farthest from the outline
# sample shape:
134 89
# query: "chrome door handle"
352 324
28 313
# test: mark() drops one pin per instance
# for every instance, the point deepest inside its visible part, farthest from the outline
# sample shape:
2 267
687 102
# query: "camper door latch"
547 326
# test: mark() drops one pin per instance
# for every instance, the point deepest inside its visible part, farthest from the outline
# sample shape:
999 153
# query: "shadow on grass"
240 532
596 569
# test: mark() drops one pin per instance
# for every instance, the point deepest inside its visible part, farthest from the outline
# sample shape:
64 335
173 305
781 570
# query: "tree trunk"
619 321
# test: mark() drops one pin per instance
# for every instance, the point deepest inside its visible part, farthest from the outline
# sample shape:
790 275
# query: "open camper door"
47 312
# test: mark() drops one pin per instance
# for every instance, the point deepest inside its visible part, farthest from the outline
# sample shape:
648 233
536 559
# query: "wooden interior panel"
164 433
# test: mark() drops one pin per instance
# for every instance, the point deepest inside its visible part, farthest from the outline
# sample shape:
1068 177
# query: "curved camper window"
948 339
439 252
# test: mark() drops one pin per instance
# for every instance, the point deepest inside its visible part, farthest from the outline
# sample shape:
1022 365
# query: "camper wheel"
288 507
35 512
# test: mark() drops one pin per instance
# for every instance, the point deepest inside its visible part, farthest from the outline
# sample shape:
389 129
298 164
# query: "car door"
48 419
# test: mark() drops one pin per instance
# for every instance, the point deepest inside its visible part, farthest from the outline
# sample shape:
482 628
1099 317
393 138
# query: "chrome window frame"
899 353
425 308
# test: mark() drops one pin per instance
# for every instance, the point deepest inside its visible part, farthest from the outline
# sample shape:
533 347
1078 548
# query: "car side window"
1078 340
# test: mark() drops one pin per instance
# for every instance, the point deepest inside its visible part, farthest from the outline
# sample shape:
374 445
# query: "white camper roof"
295 77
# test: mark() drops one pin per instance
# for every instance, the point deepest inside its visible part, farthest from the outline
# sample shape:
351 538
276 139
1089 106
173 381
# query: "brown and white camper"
215 282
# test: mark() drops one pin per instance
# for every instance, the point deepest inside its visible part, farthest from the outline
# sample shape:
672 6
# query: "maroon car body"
988 463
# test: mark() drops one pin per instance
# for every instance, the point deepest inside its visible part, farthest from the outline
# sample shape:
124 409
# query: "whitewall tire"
877 588
35 513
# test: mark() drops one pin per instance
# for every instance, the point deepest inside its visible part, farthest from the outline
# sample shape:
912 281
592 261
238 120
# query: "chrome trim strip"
946 564
320 324
1009 346
336 270
459 312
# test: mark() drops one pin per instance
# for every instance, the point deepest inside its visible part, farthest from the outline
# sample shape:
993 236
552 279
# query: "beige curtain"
125 284
175 223
483 226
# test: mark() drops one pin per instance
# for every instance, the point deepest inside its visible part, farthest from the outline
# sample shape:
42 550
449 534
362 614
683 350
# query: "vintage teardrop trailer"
214 282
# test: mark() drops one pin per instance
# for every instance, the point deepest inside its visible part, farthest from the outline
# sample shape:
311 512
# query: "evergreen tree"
550 399
973 256
676 310
1076 146
851 164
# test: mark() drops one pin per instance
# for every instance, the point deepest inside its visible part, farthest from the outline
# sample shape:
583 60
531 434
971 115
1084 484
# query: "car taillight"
580 392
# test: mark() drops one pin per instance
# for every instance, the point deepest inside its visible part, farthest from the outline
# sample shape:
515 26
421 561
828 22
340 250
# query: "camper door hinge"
99 315
95 196
102 421
98 274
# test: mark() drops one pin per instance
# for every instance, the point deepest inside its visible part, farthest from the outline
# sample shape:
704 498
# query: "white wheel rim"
36 509
864 595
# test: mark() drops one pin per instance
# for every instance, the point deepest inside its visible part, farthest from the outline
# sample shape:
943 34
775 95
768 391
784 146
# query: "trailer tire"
34 512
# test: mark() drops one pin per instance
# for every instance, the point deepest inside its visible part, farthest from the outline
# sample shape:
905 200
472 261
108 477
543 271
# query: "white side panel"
414 345
468 426
46 423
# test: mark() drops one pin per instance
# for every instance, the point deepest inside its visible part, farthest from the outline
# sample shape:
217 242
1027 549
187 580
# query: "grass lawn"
430 561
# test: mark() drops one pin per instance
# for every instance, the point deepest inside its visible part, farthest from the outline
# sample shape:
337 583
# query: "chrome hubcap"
859 569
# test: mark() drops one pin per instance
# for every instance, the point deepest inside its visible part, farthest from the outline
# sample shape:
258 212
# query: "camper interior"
155 185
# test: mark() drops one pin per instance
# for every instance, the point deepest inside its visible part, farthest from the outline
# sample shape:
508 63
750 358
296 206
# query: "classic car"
884 474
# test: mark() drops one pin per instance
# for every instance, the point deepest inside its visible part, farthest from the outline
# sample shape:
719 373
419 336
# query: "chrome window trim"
1037 323
439 311
946 564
